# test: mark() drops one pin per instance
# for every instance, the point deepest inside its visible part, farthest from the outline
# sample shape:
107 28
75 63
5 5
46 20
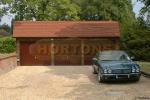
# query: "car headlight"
137 70
109 71
105 70
133 70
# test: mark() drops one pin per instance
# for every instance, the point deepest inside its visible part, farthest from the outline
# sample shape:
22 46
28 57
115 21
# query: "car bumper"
133 76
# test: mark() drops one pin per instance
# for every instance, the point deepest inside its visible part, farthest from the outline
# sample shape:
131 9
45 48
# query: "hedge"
7 45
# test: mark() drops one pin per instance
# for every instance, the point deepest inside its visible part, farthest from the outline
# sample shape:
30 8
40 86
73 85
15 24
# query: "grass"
145 66
5 37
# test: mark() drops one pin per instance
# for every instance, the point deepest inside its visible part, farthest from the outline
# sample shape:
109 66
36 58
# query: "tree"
137 43
44 10
1 11
5 27
137 40
3 8
116 10
119 10
145 11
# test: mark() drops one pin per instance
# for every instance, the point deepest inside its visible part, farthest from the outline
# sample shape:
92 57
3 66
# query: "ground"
145 66
66 83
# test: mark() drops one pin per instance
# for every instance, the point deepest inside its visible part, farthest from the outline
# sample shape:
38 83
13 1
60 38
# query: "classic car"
115 65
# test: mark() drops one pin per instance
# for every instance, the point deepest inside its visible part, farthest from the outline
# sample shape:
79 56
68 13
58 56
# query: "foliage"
1 12
137 40
7 45
145 11
3 8
6 27
119 10
137 43
44 10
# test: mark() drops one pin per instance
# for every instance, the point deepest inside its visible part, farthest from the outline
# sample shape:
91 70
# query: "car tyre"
100 80
94 70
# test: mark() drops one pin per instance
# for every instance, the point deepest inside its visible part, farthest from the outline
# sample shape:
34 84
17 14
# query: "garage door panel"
90 48
67 52
31 53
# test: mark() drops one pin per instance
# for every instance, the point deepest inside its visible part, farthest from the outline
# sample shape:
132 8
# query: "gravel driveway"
66 83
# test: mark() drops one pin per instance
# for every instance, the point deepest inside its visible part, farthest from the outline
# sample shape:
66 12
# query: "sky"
136 8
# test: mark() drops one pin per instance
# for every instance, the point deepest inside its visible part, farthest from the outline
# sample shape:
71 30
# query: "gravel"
66 83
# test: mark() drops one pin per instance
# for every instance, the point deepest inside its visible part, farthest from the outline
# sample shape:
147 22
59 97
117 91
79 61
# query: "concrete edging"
8 57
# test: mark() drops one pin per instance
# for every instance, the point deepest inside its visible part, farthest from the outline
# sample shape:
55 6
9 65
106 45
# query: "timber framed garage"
63 42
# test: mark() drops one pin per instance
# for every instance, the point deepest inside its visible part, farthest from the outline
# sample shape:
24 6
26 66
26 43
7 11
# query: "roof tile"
66 29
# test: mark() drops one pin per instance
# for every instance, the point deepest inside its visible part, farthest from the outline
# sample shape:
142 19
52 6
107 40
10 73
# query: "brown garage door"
33 53
67 52
62 51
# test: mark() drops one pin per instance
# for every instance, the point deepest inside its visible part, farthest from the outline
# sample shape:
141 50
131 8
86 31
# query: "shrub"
137 44
7 45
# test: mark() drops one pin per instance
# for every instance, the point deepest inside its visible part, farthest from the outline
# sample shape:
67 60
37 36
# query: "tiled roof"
66 29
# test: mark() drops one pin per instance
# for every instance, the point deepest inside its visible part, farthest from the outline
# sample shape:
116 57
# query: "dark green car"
115 65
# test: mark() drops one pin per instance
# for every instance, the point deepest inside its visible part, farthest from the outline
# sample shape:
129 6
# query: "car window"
123 57
113 56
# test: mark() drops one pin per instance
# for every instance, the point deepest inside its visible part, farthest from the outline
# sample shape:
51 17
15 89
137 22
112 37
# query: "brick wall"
7 64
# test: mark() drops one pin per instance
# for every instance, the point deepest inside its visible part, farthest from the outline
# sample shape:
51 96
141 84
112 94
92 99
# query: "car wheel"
94 71
99 77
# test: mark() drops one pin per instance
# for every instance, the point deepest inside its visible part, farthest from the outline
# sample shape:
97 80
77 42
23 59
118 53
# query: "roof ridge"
70 21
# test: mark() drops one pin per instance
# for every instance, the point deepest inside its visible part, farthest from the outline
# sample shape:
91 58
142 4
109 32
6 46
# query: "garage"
63 42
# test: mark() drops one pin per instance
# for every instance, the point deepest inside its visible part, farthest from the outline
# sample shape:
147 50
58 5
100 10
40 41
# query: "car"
115 65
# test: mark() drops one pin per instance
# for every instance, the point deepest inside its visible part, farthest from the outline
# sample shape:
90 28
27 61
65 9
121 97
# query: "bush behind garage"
137 43
7 45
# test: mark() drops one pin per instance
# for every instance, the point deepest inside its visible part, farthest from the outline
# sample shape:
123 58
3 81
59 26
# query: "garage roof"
65 29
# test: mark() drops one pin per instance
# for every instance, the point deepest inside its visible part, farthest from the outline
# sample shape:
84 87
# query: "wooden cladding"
63 51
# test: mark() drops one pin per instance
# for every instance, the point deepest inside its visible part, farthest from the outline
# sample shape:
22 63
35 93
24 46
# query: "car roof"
113 51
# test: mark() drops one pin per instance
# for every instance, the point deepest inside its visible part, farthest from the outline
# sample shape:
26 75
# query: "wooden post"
52 52
117 44
18 51
82 52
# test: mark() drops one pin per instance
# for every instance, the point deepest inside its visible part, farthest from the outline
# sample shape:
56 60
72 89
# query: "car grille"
121 71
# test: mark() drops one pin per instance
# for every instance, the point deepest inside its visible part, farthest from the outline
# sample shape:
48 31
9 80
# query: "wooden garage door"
67 52
33 53
62 51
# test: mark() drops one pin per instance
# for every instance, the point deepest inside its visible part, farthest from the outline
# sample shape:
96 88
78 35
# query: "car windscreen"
113 56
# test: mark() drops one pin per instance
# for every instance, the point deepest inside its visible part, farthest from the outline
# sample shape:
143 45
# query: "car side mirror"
133 58
94 59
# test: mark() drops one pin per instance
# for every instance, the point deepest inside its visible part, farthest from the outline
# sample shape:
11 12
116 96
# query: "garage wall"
68 51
